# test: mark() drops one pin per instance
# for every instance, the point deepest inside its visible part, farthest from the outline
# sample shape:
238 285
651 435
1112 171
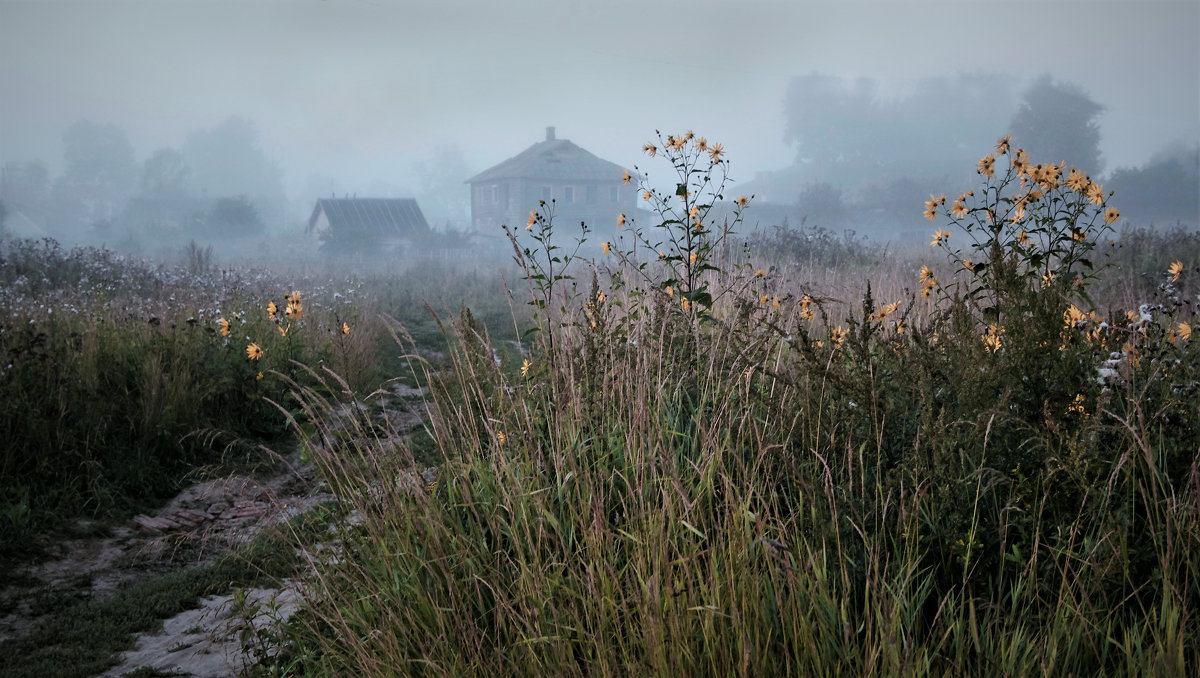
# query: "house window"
612 194
546 195
592 194
496 194
569 194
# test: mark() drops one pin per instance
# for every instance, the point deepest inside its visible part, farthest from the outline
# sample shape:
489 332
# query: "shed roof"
384 216
552 159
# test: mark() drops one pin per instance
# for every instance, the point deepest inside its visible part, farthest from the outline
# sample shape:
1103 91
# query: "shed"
387 222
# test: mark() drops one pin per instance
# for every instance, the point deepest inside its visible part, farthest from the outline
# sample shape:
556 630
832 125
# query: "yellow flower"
294 309
646 196
884 311
283 331
926 274
986 165
959 210
1112 215
258 377
620 220
927 291
1048 175
692 258
991 340
688 135
670 291
693 212
968 264
775 303
1095 193
253 351
1002 144
604 246
500 437
1184 330
1173 270
687 305
742 200
931 206
764 299
625 176
702 144
1023 238
938 236
838 335
272 310
601 296
678 142
1077 406
760 273
1077 181
1019 211
346 329
715 152
1077 235
224 327
531 221
806 304
294 297
650 149
1047 279
1072 316
525 367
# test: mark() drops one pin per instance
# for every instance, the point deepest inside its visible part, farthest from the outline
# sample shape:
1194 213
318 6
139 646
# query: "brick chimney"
550 133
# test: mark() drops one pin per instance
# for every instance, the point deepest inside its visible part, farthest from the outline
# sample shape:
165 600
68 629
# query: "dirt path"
200 524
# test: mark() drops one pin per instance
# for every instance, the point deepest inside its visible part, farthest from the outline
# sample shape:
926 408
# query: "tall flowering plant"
1030 228
687 242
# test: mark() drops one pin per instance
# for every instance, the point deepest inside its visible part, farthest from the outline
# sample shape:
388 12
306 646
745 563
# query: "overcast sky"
361 89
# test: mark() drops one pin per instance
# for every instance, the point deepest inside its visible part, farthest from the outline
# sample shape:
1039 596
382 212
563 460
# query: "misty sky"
362 89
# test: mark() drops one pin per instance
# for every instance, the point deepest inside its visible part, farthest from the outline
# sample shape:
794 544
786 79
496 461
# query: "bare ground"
201 523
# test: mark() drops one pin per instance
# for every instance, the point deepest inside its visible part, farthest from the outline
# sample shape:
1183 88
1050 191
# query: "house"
350 224
582 186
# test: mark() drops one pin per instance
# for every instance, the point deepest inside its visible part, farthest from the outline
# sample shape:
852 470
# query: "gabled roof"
383 216
552 159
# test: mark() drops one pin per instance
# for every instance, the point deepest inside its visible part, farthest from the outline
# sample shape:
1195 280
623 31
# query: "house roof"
383 216
552 159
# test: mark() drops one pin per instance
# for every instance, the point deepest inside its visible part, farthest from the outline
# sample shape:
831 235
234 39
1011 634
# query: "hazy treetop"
358 89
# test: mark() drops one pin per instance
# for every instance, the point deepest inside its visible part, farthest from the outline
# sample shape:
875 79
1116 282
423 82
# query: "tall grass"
773 487
119 381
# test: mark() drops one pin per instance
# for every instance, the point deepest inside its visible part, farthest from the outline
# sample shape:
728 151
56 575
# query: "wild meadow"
678 450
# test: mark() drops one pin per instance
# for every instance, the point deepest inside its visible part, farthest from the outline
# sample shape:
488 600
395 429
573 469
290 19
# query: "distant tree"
1056 122
25 185
232 219
1164 190
443 195
229 160
165 175
847 134
99 173
3 219
829 118
822 204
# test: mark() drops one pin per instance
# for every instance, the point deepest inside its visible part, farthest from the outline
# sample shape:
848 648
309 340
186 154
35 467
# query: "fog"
399 98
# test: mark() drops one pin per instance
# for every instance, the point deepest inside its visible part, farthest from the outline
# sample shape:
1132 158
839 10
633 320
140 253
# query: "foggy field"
614 338
795 451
